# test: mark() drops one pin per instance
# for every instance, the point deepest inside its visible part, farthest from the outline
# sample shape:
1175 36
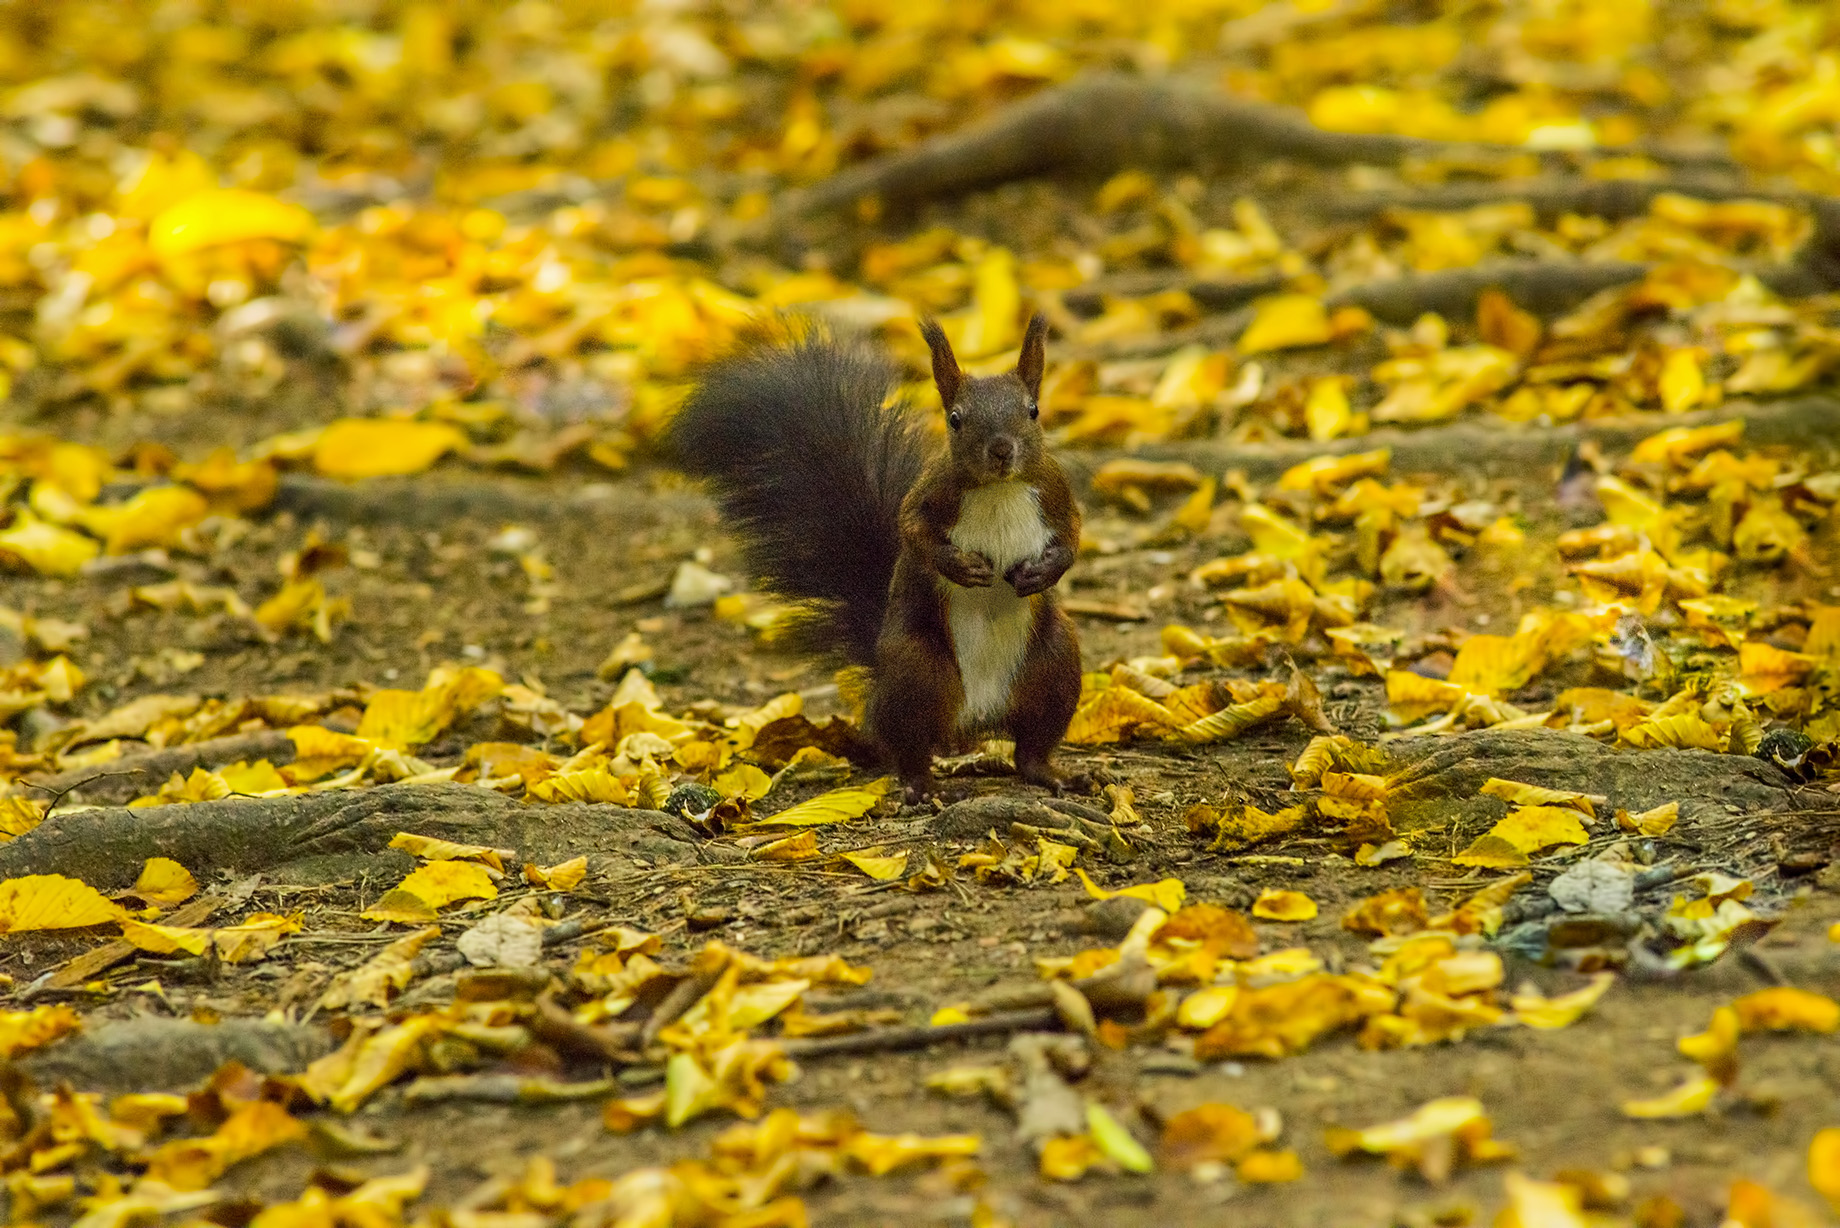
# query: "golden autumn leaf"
226 215
28 1029
879 866
430 887
563 876
1824 1165
1274 905
52 902
1433 1139
1286 321
1786 1008
428 848
1166 894
1689 1099
593 784
836 806
1537 1011
1518 794
381 976
165 882
1532 828
383 447
48 549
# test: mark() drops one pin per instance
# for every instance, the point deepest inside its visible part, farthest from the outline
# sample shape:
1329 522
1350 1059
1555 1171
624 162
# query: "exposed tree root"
1545 288
155 1054
1098 124
1613 199
1104 122
335 834
134 775
1495 447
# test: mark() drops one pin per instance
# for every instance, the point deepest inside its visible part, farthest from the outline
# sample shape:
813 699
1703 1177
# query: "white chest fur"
991 626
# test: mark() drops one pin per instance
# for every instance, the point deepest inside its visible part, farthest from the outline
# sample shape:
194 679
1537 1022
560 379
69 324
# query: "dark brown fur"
917 692
843 508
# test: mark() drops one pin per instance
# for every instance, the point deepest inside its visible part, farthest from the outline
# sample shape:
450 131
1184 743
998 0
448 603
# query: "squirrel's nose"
1002 449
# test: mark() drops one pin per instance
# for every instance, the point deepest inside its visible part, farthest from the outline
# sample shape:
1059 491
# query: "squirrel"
934 567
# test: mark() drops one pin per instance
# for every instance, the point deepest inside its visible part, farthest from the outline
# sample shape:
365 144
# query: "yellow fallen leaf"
1284 322
165 882
1491 852
1210 1134
836 806
1115 1141
165 939
1166 894
1824 1165
1273 905
252 1128
378 978
1269 1166
1516 793
1541 1204
595 784
801 846
23 1030
1715 1049
52 902
433 886
1537 1011
1688 1100
251 939
1684 730
1682 383
1657 822
1069 1157
226 215
427 848
744 780
19 815
563 876
1432 1139
1532 828
383 447
1786 1008
48 549
154 517
882 868
1206 1007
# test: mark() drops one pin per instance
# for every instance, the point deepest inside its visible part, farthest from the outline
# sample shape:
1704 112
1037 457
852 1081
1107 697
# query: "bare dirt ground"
434 589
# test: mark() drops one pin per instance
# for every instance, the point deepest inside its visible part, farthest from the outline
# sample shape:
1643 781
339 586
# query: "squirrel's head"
991 420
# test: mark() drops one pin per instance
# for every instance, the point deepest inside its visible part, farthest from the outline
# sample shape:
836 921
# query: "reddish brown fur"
917 694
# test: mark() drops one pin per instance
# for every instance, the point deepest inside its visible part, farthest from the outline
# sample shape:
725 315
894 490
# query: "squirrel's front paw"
974 571
1030 577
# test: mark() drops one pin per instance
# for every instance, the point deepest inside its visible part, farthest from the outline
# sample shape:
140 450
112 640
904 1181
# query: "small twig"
892 1040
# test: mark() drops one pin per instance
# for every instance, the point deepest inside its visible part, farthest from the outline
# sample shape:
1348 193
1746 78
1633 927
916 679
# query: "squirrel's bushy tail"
809 467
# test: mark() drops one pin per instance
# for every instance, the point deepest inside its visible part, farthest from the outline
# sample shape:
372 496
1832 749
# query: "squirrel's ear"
1034 356
945 365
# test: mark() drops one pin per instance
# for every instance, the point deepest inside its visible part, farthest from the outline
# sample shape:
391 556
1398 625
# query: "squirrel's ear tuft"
946 374
1034 356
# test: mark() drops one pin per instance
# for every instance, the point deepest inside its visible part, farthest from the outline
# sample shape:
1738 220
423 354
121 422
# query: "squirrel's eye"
954 421
1034 410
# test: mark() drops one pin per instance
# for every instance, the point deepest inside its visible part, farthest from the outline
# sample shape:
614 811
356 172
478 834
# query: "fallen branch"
334 834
